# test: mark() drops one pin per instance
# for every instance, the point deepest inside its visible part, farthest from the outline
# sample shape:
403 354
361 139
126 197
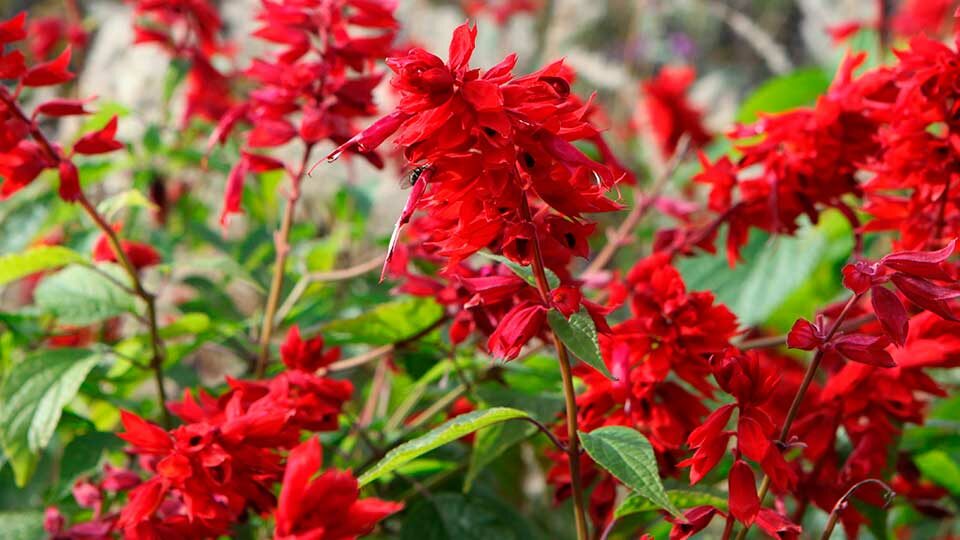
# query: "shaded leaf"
628 456
36 259
386 323
445 516
80 296
32 398
579 334
681 498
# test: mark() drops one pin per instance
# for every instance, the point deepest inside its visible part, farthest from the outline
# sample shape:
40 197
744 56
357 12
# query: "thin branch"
325 277
767 48
768 342
373 354
844 501
640 209
281 240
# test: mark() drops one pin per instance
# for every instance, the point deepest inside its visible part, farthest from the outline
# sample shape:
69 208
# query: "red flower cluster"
485 142
671 333
324 74
24 151
888 136
189 30
224 461
667 111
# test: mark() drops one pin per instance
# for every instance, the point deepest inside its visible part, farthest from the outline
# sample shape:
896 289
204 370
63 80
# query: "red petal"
777 526
751 440
926 295
744 502
870 350
921 263
891 314
12 29
62 107
99 142
233 192
69 181
804 335
147 437
50 73
461 46
12 65
711 427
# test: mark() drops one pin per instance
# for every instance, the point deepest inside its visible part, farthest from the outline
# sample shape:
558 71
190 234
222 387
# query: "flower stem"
569 393
280 239
801 392
156 346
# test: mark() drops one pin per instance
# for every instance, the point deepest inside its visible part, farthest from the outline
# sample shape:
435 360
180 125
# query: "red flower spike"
101 141
50 73
865 349
743 499
891 314
921 264
12 29
69 181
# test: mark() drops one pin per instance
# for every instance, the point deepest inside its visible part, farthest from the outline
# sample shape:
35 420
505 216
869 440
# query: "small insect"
410 178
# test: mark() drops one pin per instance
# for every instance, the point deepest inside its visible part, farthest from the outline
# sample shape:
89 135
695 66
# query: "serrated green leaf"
449 431
523 271
627 455
79 295
938 467
681 498
36 259
386 323
127 199
802 87
22 525
446 516
579 334
32 398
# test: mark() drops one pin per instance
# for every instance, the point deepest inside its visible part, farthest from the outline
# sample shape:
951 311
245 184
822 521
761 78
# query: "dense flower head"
496 147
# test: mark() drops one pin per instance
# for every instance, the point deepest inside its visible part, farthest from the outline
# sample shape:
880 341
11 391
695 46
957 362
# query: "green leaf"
32 399
127 199
491 443
579 334
83 455
747 289
445 516
627 454
802 87
938 467
449 431
386 323
20 265
79 295
524 271
681 498
22 525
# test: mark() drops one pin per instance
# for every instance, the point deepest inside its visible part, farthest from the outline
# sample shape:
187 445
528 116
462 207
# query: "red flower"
668 111
139 254
324 507
522 323
100 141
306 355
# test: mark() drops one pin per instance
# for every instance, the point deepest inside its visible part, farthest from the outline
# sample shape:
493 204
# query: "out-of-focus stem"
282 246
